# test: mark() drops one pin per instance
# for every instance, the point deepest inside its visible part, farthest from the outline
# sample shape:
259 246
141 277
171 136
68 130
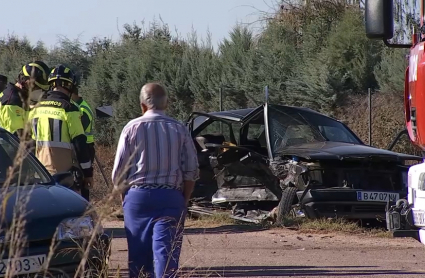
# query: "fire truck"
406 218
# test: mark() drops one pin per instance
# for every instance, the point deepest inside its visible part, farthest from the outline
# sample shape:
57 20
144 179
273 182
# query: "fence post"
370 116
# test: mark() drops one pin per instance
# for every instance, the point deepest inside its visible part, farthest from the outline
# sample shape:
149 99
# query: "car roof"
239 114
235 115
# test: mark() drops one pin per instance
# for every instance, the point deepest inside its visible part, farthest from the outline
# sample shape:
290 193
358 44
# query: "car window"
217 128
298 133
198 121
28 171
290 127
334 134
256 132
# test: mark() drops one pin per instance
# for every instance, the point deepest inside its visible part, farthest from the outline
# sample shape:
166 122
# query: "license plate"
24 265
419 217
370 196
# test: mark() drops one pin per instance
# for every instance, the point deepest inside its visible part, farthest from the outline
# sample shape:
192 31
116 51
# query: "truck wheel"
285 205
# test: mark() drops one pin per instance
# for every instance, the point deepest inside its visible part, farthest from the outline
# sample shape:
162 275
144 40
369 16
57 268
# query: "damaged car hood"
340 150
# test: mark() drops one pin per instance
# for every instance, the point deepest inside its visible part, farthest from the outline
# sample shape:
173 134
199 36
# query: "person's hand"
88 182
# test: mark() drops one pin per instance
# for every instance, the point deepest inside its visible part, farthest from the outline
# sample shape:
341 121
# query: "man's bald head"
153 96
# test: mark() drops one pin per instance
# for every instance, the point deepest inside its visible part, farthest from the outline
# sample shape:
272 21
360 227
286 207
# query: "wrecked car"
274 161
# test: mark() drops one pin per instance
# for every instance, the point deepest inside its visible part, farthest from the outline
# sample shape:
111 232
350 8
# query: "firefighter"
87 120
32 79
58 132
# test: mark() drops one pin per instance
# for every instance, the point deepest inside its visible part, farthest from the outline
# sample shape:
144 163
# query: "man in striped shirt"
156 168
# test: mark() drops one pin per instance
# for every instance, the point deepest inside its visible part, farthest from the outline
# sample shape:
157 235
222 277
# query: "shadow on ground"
292 271
224 229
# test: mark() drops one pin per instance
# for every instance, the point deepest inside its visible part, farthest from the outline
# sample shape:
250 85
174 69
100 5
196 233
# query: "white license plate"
23 265
419 217
370 196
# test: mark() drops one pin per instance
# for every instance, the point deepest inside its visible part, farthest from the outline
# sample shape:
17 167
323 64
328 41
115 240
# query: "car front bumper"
348 210
342 203
67 257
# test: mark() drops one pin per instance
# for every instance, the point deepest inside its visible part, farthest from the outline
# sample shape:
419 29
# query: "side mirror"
65 178
379 19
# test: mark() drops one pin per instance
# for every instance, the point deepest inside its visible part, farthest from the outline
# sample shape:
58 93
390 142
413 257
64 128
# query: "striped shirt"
155 149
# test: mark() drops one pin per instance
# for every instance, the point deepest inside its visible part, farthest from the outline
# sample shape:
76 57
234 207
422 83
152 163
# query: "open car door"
209 133
242 172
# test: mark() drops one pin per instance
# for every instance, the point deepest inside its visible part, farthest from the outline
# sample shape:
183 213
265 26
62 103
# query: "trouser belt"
154 186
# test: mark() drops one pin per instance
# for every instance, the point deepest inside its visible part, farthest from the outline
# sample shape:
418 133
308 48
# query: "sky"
85 19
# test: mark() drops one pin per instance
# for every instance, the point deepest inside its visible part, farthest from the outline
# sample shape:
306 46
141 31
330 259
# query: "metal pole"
266 91
221 99
370 116
101 170
220 95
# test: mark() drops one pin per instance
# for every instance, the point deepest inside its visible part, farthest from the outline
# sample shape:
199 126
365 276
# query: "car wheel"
284 208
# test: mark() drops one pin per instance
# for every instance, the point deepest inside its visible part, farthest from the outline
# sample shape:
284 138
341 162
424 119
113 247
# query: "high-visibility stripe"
56 130
34 125
51 144
85 108
88 110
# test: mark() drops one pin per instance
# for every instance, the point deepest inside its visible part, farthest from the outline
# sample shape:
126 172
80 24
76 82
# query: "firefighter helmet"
62 76
38 71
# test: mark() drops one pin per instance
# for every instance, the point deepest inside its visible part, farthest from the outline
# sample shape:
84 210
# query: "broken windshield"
291 127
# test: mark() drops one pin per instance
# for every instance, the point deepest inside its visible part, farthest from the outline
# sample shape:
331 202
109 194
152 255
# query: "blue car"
44 224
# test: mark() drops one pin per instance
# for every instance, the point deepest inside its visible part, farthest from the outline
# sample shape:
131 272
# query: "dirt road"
230 251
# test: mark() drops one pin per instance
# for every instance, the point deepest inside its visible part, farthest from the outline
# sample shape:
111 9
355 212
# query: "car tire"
284 208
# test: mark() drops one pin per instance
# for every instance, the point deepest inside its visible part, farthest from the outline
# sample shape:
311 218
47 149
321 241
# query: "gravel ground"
232 251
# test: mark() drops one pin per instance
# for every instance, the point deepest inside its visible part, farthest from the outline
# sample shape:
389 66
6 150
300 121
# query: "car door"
208 133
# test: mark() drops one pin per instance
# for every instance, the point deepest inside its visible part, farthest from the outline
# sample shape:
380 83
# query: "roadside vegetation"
314 55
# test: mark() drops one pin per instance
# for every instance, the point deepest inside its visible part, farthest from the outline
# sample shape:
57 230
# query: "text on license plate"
419 217
377 196
23 265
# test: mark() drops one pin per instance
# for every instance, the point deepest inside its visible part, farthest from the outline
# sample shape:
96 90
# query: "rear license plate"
370 196
23 265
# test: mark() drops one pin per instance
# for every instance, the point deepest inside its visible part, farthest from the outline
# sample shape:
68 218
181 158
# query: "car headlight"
76 228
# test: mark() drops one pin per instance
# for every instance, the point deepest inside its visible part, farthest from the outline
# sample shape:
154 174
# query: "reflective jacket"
87 119
58 133
12 112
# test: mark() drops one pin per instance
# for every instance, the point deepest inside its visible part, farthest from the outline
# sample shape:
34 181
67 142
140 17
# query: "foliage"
310 53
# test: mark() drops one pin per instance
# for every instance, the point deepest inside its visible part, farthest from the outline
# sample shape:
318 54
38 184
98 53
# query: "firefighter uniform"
57 128
87 119
32 79
12 110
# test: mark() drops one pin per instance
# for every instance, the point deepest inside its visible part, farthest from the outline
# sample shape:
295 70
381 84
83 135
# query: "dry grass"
207 221
323 226
302 225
